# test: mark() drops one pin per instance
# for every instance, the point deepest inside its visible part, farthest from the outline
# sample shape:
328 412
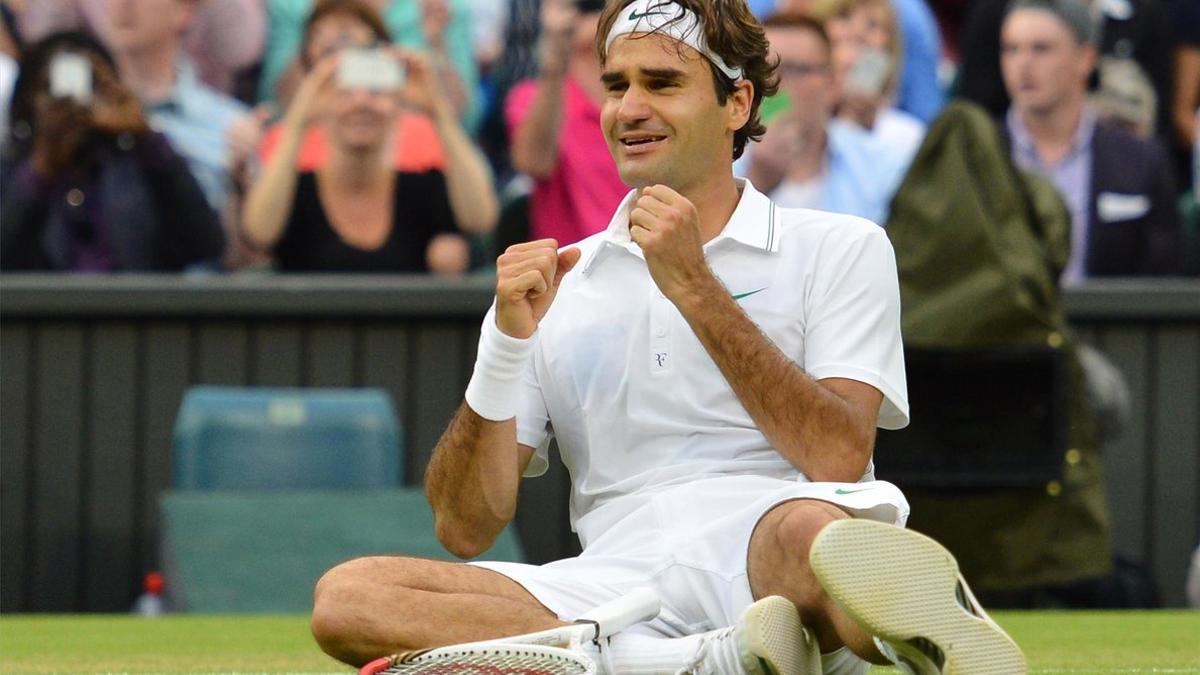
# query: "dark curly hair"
732 32
35 62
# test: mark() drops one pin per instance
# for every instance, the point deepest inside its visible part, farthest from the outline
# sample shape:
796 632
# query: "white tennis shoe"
904 588
767 640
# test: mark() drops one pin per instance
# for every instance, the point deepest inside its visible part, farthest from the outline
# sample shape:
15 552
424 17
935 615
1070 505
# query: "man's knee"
779 554
342 579
338 597
801 521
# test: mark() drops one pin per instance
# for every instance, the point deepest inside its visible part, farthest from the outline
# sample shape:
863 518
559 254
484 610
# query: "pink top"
579 197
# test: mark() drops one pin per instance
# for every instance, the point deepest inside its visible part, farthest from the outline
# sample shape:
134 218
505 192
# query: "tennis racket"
549 652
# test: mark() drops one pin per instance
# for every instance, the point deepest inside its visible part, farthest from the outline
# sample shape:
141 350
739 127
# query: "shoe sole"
900 586
772 633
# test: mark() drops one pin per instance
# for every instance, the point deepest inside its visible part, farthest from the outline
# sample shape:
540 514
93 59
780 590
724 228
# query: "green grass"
1056 642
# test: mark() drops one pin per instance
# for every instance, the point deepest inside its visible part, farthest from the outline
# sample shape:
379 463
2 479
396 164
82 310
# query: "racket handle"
640 605
378 665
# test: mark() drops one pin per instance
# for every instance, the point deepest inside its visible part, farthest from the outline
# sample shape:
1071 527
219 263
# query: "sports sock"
632 654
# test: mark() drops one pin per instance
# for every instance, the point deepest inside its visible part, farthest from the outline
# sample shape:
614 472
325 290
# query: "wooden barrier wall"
92 370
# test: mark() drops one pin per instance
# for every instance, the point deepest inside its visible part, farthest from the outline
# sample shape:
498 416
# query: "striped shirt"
1072 175
195 119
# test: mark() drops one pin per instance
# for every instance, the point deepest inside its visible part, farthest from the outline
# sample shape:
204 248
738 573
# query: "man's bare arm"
825 428
476 468
472 481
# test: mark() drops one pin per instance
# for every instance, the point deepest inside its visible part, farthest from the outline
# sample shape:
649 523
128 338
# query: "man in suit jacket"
1118 187
1134 32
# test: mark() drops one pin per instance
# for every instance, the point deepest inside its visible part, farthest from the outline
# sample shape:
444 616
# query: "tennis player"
713 368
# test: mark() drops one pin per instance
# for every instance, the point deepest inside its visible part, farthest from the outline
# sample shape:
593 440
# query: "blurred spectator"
517 63
1131 32
555 126
357 213
867 54
489 19
917 91
1119 188
88 186
807 159
520 58
10 54
225 38
1185 19
332 26
215 133
441 27
950 15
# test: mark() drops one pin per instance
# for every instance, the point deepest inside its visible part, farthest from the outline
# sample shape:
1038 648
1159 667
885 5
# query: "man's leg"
371 607
778 565
903 587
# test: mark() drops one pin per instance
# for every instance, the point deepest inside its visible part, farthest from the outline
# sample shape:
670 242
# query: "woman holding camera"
356 213
867 60
87 185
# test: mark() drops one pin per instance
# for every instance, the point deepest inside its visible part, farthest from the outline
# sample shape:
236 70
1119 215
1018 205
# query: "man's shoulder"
207 105
1114 141
813 228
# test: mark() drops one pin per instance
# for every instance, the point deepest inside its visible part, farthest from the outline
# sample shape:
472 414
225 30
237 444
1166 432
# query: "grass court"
1055 642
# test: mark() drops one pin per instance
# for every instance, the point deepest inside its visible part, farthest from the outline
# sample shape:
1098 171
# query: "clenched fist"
527 278
667 228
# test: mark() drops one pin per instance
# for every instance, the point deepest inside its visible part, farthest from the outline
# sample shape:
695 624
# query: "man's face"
1044 66
143 25
804 73
661 117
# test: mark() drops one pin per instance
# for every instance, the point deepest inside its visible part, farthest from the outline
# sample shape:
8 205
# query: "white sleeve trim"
893 413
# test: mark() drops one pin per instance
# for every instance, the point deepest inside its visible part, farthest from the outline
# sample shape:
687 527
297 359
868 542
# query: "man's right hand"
527 279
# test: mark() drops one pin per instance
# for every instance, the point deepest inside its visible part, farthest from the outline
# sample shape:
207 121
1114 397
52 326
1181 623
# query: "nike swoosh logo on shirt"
843 491
739 296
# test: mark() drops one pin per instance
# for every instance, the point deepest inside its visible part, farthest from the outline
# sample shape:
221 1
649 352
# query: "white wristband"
494 386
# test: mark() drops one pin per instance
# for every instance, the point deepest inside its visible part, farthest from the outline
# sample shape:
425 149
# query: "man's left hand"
667 228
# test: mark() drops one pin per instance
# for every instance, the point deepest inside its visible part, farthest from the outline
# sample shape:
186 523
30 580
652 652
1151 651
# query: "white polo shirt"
637 404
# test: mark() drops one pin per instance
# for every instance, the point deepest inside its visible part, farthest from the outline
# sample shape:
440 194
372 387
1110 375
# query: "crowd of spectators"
225 135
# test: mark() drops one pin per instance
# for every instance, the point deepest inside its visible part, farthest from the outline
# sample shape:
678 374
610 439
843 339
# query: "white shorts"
689 543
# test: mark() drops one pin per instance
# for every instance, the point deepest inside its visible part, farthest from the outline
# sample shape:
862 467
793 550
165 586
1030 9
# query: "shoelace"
605 665
710 645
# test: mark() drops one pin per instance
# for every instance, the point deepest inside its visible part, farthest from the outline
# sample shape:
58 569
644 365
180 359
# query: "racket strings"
496 661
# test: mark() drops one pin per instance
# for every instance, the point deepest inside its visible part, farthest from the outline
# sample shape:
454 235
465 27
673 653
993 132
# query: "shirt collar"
1023 139
186 84
754 223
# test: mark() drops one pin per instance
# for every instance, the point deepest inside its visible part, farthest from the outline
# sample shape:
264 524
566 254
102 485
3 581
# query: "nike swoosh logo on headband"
634 16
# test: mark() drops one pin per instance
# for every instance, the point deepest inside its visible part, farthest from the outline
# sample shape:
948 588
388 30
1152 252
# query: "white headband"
670 19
